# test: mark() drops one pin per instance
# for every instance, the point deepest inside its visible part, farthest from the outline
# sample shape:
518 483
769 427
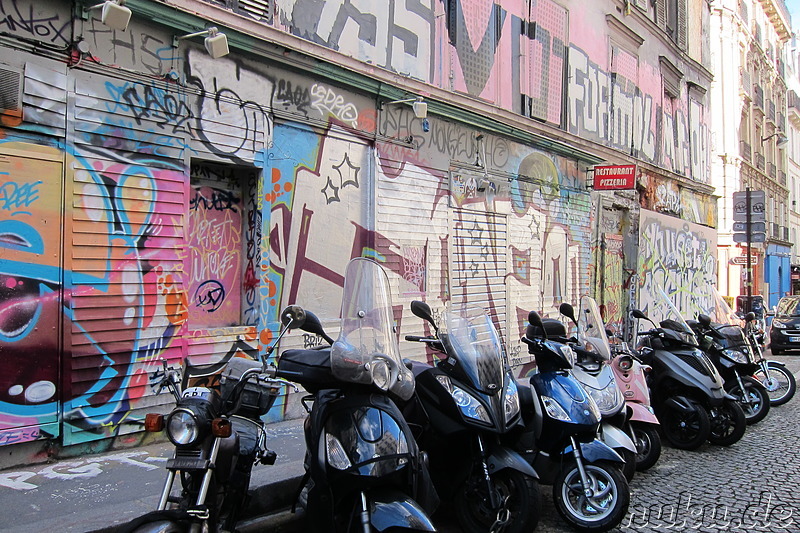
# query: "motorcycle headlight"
735 355
511 404
778 325
380 373
183 427
625 362
554 409
608 400
467 403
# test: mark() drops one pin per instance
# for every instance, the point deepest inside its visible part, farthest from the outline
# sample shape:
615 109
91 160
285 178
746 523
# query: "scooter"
364 470
219 435
642 424
687 391
729 350
593 370
560 436
462 406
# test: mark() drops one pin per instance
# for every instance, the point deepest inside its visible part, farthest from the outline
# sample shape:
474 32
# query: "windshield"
722 313
671 318
471 338
591 330
367 350
788 307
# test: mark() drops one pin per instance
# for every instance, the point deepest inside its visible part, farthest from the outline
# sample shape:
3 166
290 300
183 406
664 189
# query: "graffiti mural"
678 257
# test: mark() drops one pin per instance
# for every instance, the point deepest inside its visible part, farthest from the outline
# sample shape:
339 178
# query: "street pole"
749 282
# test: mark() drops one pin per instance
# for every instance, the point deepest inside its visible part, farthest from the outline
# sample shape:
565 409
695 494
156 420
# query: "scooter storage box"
310 368
554 329
257 396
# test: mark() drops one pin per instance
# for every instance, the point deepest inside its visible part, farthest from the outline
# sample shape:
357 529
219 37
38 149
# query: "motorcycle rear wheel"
685 430
781 384
754 401
648 445
524 503
728 423
605 509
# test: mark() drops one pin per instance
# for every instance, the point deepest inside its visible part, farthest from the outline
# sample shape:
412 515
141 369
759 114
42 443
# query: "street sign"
742 260
754 237
757 207
755 227
614 177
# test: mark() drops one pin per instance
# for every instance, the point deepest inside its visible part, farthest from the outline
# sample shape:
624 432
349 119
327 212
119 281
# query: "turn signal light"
221 427
153 422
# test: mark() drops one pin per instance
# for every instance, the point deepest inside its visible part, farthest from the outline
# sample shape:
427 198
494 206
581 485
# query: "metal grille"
258 9
10 90
695 363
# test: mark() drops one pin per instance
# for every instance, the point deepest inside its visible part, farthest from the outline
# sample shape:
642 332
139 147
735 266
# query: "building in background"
162 199
750 43
793 156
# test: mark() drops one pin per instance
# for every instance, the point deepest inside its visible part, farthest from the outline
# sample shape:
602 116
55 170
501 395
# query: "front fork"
747 399
202 494
588 489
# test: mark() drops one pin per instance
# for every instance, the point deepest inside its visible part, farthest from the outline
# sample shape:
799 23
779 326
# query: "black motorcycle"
364 471
219 435
687 392
462 406
559 437
729 350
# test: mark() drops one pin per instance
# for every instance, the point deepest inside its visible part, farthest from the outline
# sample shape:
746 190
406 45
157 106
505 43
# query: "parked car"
784 333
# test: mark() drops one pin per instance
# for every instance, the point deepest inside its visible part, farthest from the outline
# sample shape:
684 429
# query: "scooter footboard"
393 509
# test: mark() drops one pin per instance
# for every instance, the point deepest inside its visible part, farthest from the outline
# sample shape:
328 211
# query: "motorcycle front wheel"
518 490
781 384
728 423
607 505
685 430
754 401
648 445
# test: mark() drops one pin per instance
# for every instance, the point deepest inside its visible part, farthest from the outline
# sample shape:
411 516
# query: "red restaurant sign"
615 177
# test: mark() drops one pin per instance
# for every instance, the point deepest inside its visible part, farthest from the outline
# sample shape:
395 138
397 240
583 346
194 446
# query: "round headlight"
182 427
625 362
380 373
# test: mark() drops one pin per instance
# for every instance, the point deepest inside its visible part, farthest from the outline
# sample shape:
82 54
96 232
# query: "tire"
648 445
781 384
754 401
685 431
598 513
629 468
728 423
524 503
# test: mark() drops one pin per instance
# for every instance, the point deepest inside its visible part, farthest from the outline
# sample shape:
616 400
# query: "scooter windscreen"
722 312
471 338
671 319
591 330
367 350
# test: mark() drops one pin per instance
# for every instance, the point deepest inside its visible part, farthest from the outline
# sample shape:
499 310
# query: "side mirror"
567 310
534 319
293 317
423 311
636 313
749 317
704 320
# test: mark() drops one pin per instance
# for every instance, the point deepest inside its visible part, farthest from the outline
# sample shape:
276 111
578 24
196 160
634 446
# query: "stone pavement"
750 486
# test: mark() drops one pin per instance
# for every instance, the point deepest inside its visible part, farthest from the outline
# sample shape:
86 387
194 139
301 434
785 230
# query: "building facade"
750 132
161 203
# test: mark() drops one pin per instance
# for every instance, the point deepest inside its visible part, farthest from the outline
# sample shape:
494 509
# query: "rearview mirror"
567 310
423 311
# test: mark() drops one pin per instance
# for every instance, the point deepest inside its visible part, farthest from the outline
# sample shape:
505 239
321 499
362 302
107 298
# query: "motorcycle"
593 371
729 350
642 424
687 391
219 436
776 378
559 436
470 397
364 470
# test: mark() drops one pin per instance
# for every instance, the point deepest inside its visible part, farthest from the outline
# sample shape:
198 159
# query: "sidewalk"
98 493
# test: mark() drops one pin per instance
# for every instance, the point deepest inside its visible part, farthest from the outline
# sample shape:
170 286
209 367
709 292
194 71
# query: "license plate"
794 339
187 463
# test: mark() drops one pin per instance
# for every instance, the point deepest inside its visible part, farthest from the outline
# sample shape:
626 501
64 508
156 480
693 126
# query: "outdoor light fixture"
113 14
417 104
781 141
216 41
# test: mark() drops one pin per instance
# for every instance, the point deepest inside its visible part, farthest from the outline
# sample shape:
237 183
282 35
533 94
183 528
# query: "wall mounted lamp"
781 141
417 104
216 42
113 14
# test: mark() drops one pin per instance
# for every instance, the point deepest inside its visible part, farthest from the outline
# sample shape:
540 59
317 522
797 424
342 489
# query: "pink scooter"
642 425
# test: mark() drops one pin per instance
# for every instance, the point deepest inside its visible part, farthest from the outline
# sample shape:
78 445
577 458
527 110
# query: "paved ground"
750 486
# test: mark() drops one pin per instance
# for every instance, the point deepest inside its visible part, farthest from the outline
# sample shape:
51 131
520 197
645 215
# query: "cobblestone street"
750 486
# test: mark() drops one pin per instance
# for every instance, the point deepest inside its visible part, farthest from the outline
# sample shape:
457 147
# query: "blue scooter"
560 436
